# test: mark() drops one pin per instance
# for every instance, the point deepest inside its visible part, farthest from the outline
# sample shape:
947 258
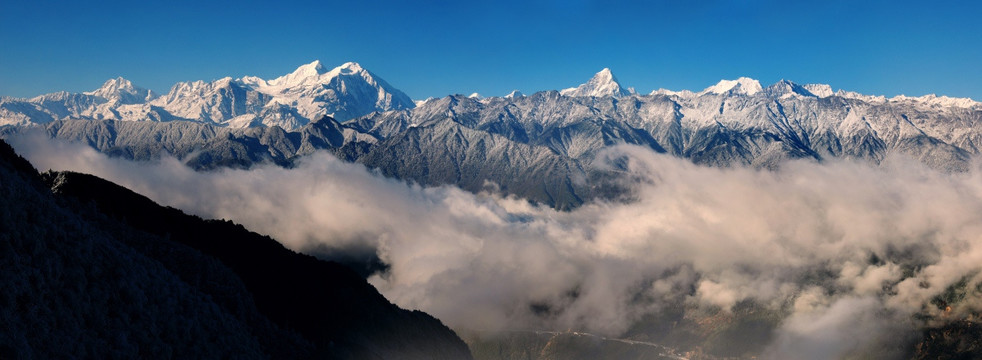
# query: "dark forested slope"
94 270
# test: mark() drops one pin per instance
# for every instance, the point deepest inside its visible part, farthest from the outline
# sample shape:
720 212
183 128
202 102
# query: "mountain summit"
304 73
602 84
122 91
740 86
315 74
344 92
785 88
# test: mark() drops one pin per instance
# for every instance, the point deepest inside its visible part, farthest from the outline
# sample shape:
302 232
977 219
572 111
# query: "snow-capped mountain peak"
514 94
605 75
820 90
349 68
305 74
604 83
667 92
312 69
252 81
742 85
343 92
122 91
111 86
785 88
935 100
312 74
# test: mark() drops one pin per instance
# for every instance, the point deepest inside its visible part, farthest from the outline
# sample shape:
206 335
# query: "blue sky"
436 48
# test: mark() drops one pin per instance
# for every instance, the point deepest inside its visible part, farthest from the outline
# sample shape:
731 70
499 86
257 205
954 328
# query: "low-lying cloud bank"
847 252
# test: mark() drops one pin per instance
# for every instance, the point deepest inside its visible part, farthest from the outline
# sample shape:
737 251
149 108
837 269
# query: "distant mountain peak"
603 83
312 69
786 88
112 85
349 68
514 94
315 73
820 90
343 92
605 74
304 74
119 81
123 91
742 85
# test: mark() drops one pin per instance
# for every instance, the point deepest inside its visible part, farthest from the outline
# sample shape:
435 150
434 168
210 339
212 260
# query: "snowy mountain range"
345 92
290 101
542 146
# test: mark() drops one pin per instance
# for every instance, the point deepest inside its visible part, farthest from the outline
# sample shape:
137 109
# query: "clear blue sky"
436 48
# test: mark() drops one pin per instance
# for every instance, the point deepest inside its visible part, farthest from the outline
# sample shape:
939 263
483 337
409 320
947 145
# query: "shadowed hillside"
94 270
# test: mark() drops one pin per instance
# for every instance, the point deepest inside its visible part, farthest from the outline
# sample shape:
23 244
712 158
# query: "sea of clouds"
846 252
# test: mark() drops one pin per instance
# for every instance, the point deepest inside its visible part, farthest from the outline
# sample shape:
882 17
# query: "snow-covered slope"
290 101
